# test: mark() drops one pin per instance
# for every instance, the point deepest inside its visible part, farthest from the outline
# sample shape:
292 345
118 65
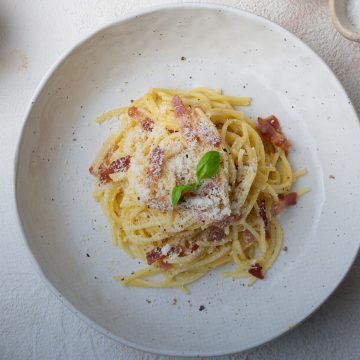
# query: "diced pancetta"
269 129
156 161
256 270
184 120
284 201
146 123
154 255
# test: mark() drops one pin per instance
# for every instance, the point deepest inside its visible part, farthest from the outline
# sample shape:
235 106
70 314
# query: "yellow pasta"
228 218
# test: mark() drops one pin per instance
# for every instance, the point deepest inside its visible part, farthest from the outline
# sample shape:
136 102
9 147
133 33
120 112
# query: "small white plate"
224 48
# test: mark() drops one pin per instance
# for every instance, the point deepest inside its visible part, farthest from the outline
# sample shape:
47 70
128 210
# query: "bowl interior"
223 48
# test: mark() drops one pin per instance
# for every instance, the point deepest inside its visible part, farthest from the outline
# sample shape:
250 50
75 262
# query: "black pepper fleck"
201 308
87 255
183 58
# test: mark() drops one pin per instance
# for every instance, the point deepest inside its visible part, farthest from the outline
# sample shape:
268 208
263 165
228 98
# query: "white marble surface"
33 323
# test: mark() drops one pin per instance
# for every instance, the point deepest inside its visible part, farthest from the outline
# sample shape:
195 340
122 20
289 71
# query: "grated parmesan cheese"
165 249
173 255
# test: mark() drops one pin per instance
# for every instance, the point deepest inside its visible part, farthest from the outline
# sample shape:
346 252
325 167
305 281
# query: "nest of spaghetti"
228 215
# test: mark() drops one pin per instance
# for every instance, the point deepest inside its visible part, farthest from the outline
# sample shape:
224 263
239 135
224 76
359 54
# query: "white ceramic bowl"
224 48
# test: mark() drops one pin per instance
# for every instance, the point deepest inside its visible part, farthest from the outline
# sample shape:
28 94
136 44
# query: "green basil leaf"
208 165
177 191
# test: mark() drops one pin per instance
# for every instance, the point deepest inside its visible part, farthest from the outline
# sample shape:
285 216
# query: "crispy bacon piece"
215 233
284 201
176 249
179 108
182 116
274 122
100 171
104 174
135 113
156 161
290 198
256 270
262 213
154 255
120 165
193 247
146 123
269 129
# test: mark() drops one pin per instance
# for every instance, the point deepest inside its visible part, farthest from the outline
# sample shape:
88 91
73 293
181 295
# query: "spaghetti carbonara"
189 184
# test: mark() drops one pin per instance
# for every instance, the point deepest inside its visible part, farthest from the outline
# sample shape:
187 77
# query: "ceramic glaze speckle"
243 55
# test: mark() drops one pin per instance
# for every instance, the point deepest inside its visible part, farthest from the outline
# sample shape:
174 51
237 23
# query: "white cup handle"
340 20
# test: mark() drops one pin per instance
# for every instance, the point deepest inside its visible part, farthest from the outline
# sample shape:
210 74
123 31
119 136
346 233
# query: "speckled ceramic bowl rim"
43 82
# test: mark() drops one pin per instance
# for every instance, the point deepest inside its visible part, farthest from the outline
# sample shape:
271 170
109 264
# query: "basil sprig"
207 167
177 191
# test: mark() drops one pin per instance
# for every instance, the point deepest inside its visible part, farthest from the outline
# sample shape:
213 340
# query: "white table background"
36 325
